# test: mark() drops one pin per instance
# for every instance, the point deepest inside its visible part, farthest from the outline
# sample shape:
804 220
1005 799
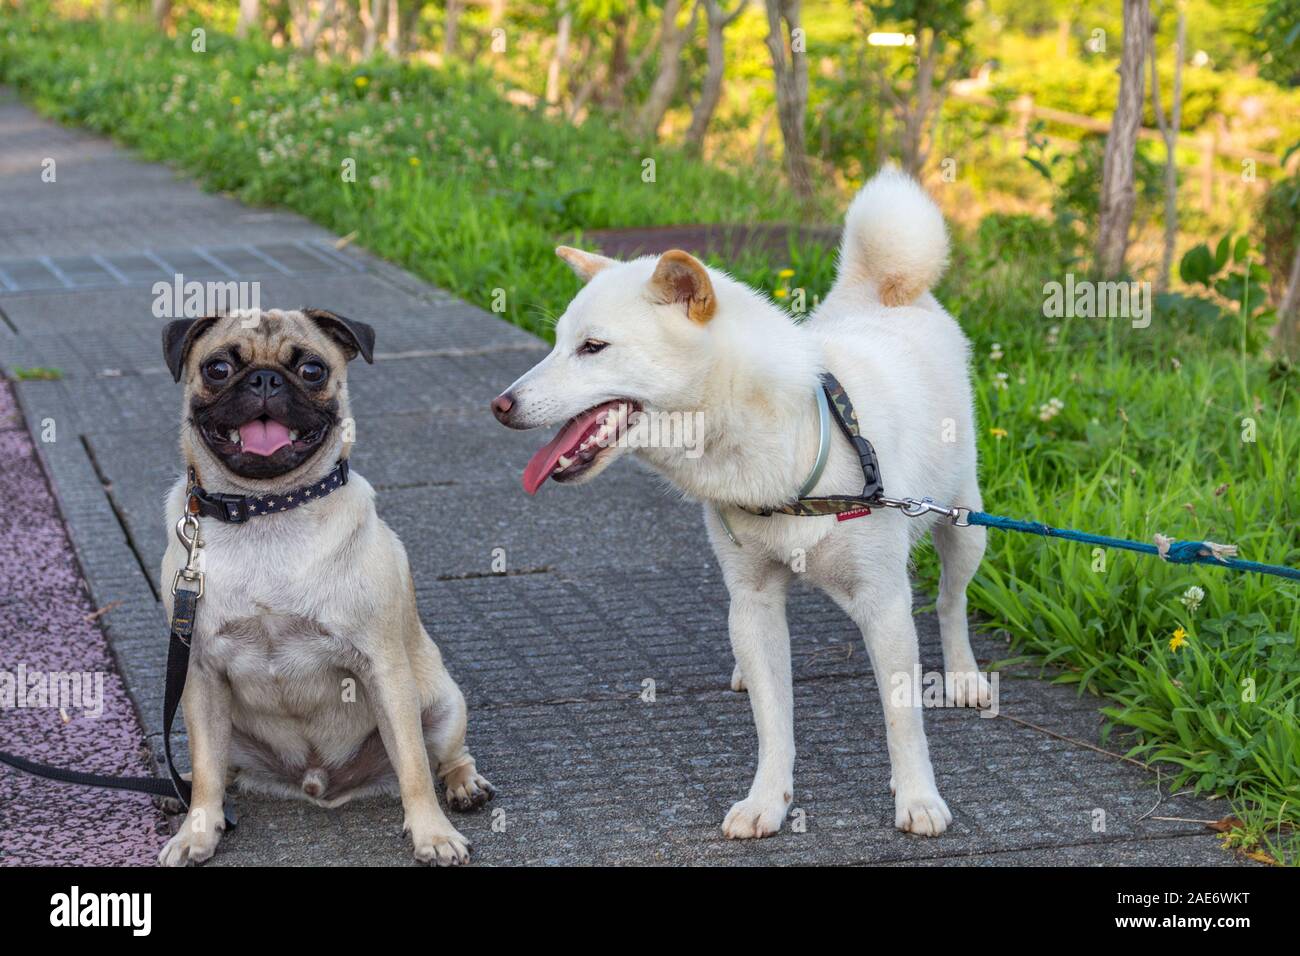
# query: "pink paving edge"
44 607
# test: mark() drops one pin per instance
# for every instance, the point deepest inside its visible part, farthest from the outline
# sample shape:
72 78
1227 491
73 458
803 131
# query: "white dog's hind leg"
737 679
960 551
885 615
760 639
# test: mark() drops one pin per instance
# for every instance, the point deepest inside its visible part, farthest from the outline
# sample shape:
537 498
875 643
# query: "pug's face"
266 391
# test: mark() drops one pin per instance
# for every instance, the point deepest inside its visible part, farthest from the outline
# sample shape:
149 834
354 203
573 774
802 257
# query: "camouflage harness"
832 392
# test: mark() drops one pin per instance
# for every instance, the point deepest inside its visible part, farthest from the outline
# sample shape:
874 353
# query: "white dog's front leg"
885 617
761 642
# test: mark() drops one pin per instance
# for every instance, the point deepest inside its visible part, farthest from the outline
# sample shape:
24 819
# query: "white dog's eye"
591 347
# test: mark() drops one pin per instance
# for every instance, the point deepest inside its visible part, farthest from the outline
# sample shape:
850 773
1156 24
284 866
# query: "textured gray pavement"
612 585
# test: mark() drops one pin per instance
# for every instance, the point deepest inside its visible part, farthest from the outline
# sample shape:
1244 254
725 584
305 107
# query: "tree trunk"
249 15
1118 197
791 69
592 76
559 55
711 89
921 105
672 40
307 39
403 27
281 16
372 19
1287 331
1169 129
451 29
162 13
621 69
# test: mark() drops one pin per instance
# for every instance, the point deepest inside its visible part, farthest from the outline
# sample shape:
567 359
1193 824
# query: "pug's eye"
313 373
591 347
218 370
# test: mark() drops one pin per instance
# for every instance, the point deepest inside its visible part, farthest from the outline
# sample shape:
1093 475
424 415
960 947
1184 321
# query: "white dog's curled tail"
895 241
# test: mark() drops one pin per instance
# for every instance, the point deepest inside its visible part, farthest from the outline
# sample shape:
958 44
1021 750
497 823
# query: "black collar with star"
237 509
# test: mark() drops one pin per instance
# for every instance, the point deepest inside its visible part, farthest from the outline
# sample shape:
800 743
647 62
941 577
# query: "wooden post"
1024 107
1208 147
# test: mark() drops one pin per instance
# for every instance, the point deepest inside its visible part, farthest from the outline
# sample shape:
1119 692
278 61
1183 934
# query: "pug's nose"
502 405
265 383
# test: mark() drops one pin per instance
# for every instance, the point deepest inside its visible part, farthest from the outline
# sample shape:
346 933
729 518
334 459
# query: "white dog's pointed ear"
584 264
680 277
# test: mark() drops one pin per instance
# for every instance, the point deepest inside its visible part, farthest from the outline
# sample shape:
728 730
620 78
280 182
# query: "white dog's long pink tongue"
543 463
263 437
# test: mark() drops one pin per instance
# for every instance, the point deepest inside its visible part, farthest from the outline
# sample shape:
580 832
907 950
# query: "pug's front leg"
397 711
206 702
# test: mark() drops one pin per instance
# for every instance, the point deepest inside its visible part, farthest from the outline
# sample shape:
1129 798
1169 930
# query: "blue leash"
1180 552
1177 552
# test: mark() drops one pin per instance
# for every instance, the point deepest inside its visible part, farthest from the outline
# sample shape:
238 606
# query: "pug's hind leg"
465 787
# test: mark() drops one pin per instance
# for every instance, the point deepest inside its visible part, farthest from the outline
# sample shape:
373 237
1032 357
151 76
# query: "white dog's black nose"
502 405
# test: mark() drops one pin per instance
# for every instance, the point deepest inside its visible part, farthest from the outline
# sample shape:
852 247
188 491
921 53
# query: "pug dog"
310 674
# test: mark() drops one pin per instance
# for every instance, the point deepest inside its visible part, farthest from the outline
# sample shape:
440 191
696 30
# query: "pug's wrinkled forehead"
267 337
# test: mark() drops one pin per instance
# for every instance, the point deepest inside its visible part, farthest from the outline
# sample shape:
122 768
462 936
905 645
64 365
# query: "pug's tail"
895 244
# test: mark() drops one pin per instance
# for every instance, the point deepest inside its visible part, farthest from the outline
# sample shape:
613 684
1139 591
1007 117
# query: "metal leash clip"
190 573
916 507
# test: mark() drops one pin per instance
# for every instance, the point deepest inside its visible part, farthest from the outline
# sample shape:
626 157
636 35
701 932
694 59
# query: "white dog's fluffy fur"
674 336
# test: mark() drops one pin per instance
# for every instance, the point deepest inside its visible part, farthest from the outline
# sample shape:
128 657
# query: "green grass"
37 374
473 193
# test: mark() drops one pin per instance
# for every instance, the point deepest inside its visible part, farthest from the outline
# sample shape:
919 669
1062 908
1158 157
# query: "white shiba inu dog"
671 337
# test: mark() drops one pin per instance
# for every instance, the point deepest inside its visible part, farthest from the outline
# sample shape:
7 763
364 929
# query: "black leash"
178 662
232 509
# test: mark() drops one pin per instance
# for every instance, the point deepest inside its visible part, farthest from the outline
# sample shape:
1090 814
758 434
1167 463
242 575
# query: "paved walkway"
612 584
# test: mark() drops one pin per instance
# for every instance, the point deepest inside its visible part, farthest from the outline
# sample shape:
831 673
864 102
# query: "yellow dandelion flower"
781 293
414 160
785 273
1178 640
998 433
236 100
362 82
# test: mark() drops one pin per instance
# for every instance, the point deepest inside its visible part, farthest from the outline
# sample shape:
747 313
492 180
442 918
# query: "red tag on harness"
850 515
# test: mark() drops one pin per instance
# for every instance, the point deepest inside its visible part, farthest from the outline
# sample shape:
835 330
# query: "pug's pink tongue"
543 463
263 437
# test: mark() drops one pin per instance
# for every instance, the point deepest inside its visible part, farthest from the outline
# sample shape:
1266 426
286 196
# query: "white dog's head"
634 341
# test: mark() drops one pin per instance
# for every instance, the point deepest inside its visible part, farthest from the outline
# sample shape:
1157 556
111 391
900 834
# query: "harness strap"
872 488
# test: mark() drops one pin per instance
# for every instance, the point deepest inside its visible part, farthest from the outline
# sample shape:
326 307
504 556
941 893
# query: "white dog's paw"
446 847
737 680
969 688
755 817
194 842
922 812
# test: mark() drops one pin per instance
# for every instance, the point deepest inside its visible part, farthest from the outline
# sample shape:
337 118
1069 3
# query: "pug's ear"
178 338
680 277
584 264
352 336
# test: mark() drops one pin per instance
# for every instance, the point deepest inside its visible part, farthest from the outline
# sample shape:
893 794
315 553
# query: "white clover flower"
1193 597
